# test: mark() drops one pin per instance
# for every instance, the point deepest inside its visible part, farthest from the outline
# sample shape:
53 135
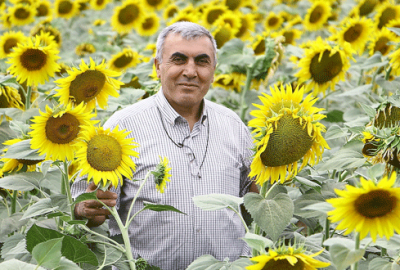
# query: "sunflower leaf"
343 257
211 202
271 215
15 264
234 53
43 206
257 242
23 150
22 181
85 197
210 263
382 264
160 207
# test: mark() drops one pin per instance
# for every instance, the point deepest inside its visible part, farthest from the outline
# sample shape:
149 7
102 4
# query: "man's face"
186 71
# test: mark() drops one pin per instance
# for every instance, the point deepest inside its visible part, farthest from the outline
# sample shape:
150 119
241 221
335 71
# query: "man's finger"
106 195
96 204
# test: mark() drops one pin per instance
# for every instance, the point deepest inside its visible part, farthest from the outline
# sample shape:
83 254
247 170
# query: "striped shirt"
215 158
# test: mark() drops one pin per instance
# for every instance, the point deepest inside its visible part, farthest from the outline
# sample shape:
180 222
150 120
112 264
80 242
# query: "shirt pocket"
230 180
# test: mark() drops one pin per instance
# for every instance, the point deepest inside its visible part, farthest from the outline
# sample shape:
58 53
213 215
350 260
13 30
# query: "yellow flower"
48 29
99 4
247 26
149 24
46 39
15 165
99 22
223 33
21 14
161 174
9 40
127 16
286 130
230 18
289 33
381 42
153 5
66 8
6 20
317 15
286 259
84 49
55 132
170 11
211 13
258 43
183 16
10 98
323 65
365 7
124 60
273 21
371 208
385 13
233 81
89 84
33 63
105 156
43 8
356 31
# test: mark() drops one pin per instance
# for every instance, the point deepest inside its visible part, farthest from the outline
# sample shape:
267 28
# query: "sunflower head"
356 31
212 12
127 16
386 117
273 21
381 42
66 8
84 49
371 208
317 15
247 26
124 60
99 4
161 174
385 13
21 14
10 98
286 130
43 8
170 11
149 24
105 155
287 258
48 29
10 40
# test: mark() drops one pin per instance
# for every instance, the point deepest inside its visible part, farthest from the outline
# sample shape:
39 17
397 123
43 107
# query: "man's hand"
92 210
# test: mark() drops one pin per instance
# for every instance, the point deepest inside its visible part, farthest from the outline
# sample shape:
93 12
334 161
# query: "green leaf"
10 224
14 264
37 235
23 150
48 253
334 116
395 30
160 207
208 262
66 264
360 90
257 242
271 215
234 53
322 207
343 257
374 61
371 112
335 132
22 181
212 202
381 264
85 197
41 207
307 182
388 85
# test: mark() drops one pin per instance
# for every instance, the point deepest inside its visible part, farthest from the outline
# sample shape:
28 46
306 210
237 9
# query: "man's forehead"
174 42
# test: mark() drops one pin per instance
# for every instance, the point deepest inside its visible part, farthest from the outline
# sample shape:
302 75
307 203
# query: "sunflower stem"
114 243
28 98
14 201
243 105
327 230
125 237
357 247
68 189
361 77
129 218
387 76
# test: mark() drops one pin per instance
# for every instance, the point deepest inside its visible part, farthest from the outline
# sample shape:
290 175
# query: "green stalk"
388 73
361 77
28 98
129 219
14 201
326 231
68 190
243 105
257 229
357 247
115 244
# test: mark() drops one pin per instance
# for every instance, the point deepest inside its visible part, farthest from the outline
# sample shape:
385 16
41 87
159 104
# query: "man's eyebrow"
202 56
178 54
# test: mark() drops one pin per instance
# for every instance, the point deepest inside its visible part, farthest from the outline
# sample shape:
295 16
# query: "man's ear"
157 65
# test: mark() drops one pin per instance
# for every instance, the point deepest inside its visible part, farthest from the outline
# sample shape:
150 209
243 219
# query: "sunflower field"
316 82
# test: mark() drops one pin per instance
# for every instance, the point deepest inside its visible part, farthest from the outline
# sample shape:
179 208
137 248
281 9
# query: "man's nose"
190 70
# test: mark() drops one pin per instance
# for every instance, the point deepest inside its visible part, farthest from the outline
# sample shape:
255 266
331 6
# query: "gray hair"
188 31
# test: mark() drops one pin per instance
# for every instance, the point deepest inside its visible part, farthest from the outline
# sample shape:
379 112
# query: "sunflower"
371 208
15 165
385 13
233 81
149 25
63 70
105 155
317 15
287 130
43 8
211 13
66 8
223 33
153 5
273 21
89 84
10 98
365 7
84 49
47 39
323 65
127 16
247 26
395 62
183 16
285 258
99 4
382 42
9 40
33 63
258 43
170 11
48 29
387 116
124 60
55 132
21 14
289 33
6 20
234 4
161 174
356 31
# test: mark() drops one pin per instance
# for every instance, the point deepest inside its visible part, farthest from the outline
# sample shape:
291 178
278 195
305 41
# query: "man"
209 151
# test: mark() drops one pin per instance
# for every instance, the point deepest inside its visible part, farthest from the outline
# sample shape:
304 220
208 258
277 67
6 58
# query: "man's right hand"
92 210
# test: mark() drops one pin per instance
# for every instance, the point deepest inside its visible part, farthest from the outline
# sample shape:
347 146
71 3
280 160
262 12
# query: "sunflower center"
316 14
21 13
172 12
222 36
288 143
367 7
128 14
123 61
87 85
153 3
33 59
213 15
104 153
387 15
232 4
4 101
42 11
29 161
353 33
62 130
328 68
381 45
9 44
243 28
148 23
283 265
65 7
288 37
260 48
273 21
388 118
99 2
376 203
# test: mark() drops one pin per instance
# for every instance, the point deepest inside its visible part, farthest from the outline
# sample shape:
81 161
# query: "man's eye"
178 59
203 61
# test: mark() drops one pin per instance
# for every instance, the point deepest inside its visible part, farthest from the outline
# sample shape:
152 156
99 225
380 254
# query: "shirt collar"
170 115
